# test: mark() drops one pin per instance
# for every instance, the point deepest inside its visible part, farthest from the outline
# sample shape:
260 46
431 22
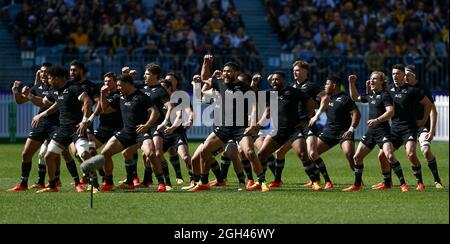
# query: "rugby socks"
129 168
271 164
135 159
433 167
191 175
52 184
57 175
311 171
109 180
241 177
358 174
72 167
160 178
247 169
175 161
26 168
225 165
387 178
399 172
417 171
204 178
147 176
165 170
261 178
279 166
215 168
41 174
323 169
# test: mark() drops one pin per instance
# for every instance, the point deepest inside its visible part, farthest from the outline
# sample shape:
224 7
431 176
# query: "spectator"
80 37
142 24
70 52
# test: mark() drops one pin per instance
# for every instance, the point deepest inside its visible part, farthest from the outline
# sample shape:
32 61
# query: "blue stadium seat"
95 71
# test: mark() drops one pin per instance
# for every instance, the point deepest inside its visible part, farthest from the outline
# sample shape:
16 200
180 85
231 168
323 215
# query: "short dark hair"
411 68
155 69
232 65
46 64
176 76
78 64
57 71
166 82
111 75
126 79
280 73
303 64
335 80
399 66
247 78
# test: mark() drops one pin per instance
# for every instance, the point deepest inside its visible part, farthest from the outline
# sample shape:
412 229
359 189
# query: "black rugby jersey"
70 113
406 99
92 89
377 105
112 120
158 96
289 100
133 109
229 90
338 112
43 90
312 89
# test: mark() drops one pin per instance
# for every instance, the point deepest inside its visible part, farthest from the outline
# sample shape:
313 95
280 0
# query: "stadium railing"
15 120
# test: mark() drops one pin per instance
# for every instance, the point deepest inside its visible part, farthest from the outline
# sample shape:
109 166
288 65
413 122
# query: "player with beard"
78 76
39 135
110 122
74 107
290 120
230 130
306 139
425 134
138 115
342 119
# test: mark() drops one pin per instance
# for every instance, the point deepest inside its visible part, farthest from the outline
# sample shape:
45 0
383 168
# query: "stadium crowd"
95 30
416 32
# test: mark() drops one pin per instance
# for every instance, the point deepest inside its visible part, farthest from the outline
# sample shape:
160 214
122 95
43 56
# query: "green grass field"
290 204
